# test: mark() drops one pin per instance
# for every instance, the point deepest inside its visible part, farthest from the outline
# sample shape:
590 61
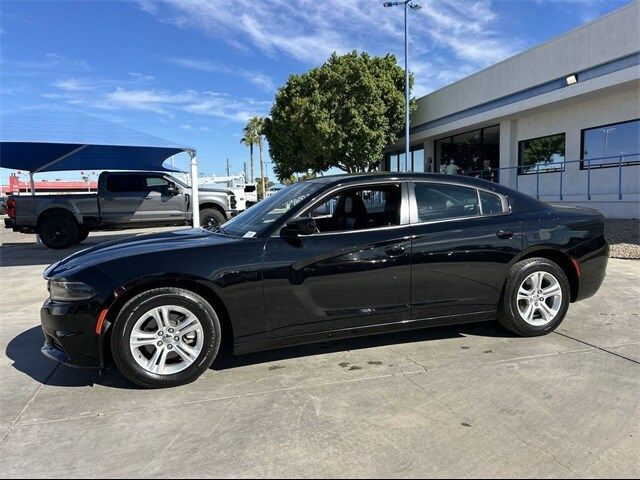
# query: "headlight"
69 291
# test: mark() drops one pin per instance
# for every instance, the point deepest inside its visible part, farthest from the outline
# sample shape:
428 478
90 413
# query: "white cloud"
73 85
257 78
141 77
463 32
103 95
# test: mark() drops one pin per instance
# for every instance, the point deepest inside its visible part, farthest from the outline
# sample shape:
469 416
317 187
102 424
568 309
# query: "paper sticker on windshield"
249 234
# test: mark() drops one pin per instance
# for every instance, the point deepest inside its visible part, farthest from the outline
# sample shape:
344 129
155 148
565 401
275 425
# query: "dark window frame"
521 167
583 163
438 157
388 155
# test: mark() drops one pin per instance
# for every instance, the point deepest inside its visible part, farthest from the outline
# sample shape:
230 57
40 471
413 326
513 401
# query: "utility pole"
244 168
228 182
406 4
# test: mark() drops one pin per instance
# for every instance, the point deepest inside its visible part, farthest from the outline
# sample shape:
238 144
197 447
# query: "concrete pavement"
468 400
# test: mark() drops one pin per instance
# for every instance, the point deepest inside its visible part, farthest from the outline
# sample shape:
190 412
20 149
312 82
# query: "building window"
611 145
475 153
395 160
543 154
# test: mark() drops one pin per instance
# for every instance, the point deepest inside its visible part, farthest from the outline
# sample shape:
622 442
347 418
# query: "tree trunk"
261 171
252 178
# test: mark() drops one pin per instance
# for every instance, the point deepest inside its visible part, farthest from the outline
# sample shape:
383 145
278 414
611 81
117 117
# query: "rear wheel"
58 231
165 337
210 218
535 299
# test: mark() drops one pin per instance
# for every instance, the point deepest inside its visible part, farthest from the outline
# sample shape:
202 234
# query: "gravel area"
623 237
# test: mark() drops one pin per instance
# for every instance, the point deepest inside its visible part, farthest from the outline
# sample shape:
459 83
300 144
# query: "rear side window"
126 183
441 201
491 203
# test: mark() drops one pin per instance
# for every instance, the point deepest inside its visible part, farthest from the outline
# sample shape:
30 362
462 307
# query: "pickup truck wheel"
83 233
58 231
211 218
165 337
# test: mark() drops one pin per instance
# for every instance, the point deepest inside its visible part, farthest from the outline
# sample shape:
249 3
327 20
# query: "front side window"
543 154
441 201
260 216
156 184
611 145
358 208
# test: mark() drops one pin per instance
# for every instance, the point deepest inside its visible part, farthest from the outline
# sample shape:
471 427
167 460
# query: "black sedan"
329 258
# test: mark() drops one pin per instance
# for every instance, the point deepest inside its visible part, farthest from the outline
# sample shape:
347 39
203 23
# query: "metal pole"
620 179
589 179
538 181
31 184
195 201
406 87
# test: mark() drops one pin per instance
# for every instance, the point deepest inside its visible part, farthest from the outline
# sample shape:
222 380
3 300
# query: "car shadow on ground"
17 254
24 352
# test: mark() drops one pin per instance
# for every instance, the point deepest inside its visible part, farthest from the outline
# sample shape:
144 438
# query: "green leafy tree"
342 114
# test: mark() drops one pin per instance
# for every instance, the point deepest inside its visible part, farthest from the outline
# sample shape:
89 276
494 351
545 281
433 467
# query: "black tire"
58 231
83 233
508 313
211 218
135 308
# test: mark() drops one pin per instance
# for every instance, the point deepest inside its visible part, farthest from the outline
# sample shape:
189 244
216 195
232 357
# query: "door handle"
394 250
505 234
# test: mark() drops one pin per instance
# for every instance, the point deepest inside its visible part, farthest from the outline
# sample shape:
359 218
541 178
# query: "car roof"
402 176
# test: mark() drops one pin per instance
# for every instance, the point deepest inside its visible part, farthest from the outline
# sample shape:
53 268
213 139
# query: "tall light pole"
413 6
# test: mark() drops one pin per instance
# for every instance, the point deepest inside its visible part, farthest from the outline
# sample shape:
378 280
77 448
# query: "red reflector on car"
101 317
576 265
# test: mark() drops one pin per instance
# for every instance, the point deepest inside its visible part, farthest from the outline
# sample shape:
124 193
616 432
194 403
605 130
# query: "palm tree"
249 139
253 132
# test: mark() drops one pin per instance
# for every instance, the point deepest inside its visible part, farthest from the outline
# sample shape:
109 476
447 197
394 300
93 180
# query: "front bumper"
69 334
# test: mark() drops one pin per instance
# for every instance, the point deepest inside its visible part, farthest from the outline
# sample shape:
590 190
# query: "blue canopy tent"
45 139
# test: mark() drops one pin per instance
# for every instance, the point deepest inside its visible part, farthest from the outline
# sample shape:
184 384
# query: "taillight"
11 208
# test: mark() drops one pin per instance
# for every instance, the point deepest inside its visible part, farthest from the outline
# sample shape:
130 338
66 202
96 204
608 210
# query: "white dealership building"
560 121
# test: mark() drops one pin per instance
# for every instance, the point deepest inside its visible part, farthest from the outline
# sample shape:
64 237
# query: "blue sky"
193 71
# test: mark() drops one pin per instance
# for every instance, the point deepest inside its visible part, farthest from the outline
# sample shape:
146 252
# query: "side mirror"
299 226
172 189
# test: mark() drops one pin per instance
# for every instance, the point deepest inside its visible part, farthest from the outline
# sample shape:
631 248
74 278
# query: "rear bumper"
69 334
10 223
593 257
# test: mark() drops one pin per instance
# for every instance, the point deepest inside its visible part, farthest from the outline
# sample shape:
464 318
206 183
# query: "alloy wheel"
539 298
166 339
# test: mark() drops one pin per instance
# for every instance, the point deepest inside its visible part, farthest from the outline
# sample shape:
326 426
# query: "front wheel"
165 337
83 233
535 298
210 218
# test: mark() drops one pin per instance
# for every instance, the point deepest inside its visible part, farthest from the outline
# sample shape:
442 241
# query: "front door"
464 241
354 272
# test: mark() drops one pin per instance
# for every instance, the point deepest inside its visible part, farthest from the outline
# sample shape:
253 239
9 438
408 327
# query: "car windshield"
255 219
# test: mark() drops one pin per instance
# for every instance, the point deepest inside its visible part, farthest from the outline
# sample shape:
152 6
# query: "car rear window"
491 203
441 201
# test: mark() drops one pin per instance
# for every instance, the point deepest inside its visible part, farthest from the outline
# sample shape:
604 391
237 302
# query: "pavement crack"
551 454
597 347
29 402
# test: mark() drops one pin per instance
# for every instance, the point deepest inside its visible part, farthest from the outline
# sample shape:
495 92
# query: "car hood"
139 245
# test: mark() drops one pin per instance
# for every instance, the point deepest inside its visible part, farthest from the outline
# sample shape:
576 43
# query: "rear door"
121 198
464 240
